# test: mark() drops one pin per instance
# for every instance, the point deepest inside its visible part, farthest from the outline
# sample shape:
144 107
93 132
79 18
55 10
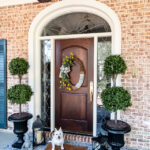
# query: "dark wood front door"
74 110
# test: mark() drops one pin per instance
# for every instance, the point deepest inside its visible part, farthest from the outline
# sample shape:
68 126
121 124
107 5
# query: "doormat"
66 147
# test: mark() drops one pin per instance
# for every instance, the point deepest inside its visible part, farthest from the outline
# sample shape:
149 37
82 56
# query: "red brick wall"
15 22
135 23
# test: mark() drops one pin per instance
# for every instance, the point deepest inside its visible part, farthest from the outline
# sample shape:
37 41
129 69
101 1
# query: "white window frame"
38 24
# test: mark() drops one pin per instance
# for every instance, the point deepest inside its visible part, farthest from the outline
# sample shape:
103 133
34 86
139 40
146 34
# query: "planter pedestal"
20 128
116 133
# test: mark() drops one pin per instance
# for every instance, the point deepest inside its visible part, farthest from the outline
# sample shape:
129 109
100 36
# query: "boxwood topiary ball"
19 94
18 66
115 98
114 64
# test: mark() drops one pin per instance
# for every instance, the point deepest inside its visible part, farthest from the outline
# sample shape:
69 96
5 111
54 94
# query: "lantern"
38 132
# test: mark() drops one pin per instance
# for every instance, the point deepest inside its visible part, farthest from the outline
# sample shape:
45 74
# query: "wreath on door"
65 82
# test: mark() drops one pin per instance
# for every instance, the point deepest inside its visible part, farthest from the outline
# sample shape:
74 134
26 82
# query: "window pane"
104 50
45 76
76 23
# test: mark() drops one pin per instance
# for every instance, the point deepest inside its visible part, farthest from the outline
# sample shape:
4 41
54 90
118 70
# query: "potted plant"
115 98
19 94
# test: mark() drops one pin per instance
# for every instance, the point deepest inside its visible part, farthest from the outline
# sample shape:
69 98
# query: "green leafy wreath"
65 69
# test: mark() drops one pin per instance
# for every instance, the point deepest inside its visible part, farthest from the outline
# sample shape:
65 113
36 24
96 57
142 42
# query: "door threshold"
74 137
72 132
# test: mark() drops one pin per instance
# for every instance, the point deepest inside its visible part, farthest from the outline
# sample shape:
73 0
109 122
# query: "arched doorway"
35 36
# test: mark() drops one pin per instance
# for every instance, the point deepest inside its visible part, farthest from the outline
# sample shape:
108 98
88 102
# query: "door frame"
95 36
39 22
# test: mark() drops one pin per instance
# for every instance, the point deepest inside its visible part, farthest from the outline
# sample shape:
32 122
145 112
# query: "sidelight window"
103 51
45 81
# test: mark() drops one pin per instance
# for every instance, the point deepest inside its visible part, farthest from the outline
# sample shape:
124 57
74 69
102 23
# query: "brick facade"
134 16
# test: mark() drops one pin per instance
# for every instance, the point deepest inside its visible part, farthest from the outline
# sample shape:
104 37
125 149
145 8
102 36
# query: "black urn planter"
20 127
116 133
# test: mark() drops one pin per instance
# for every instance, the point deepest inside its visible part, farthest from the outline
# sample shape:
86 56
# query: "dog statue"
27 145
58 139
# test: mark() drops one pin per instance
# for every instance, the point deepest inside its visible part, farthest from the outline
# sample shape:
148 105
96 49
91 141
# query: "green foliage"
115 98
65 80
18 66
68 61
19 94
114 65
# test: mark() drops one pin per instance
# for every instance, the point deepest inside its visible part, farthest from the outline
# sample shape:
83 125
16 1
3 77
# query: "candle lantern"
38 132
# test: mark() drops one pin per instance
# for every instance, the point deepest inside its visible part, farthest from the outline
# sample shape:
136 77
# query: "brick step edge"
73 137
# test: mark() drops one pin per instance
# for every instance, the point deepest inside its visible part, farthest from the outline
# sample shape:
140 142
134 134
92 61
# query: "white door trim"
95 88
89 35
39 22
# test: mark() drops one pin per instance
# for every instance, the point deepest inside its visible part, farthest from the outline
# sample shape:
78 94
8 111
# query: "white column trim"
73 36
53 85
95 88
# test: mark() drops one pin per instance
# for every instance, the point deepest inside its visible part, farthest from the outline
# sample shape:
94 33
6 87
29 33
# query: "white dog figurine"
27 144
58 139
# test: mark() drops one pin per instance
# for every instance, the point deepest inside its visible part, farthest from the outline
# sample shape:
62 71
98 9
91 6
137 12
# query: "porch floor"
7 138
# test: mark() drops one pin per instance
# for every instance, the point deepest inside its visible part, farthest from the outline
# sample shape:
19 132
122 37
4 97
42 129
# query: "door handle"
91 91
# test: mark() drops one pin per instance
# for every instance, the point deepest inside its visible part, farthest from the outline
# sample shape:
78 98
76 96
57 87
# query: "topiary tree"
18 66
113 66
115 98
20 93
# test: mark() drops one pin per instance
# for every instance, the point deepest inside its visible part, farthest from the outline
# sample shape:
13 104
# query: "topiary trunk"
116 117
114 78
20 78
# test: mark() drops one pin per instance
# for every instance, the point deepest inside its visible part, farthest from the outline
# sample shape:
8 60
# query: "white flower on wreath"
65 70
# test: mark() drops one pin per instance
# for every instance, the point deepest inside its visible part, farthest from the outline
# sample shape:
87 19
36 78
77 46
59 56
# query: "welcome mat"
66 147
